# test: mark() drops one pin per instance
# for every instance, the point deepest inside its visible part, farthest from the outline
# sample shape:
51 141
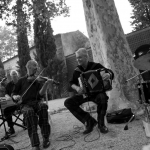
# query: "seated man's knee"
6 112
30 118
43 106
102 98
67 102
27 111
103 112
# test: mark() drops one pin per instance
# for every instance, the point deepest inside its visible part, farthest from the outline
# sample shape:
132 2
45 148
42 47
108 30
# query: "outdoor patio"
67 132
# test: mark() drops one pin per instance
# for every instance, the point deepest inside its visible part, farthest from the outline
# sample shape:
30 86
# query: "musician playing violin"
33 106
101 99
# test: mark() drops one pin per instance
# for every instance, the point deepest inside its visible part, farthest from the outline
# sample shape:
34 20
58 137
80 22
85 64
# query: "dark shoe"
5 137
103 129
90 125
11 131
46 143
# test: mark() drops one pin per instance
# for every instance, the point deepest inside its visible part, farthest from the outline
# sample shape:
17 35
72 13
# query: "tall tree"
23 45
14 12
50 9
2 75
43 35
141 14
1 64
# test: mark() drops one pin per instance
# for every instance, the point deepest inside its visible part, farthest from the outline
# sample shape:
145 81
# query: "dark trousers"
34 115
73 104
8 111
146 90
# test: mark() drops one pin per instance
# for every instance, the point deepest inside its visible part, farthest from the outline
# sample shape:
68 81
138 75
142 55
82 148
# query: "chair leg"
2 121
18 118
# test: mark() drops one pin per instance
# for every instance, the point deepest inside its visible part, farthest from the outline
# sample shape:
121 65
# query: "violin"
33 78
41 78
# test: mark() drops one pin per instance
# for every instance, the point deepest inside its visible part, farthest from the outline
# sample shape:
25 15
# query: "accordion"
92 83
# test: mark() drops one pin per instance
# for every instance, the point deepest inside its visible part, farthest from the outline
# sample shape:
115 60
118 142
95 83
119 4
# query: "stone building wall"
138 38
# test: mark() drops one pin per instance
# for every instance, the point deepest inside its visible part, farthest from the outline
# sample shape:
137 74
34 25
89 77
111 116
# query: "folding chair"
4 104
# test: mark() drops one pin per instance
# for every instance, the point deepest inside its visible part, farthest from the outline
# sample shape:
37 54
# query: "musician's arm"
7 96
75 87
111 73
107 71
15 93
75 83
45 86
17 88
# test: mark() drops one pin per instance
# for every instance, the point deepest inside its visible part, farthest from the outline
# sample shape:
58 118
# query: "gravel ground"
67 134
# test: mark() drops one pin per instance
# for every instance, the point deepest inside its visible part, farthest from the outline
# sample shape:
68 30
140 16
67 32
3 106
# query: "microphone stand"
137 75
147 116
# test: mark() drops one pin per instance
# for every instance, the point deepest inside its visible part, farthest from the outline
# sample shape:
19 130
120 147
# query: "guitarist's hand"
17 98
8 98
105 75
79 90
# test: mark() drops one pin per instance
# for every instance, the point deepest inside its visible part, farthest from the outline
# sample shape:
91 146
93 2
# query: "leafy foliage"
8 43
141 14
43 34
14 13
8 10
56 67
44 39
20 14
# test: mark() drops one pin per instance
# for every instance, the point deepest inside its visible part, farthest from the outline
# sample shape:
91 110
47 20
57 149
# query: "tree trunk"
110 48
43 34
2 75
1 64
22 39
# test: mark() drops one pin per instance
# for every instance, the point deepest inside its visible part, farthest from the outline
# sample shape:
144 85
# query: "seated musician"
9 110
32 105
101 99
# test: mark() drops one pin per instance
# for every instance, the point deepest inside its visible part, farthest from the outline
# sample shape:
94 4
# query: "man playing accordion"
100 98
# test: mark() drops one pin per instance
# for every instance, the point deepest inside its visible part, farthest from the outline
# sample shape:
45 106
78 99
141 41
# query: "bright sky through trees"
76 21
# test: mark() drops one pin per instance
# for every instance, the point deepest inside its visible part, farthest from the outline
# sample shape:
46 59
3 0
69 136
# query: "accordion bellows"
92 82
